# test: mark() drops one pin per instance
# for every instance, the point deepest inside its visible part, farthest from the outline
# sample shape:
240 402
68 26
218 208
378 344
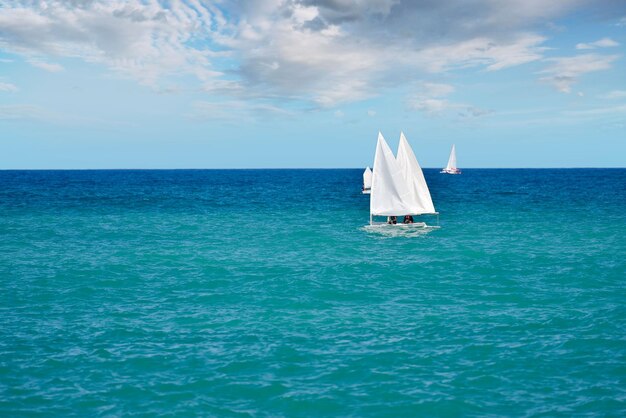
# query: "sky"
309 83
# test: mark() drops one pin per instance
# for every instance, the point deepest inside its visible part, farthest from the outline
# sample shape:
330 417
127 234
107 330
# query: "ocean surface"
262 293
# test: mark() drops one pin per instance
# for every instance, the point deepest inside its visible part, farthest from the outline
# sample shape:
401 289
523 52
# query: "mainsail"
452 160
420 200
390 192
367 179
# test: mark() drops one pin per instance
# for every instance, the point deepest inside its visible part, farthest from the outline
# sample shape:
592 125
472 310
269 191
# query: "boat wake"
399 230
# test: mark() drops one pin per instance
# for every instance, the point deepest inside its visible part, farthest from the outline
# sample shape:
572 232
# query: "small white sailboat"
398 186
367 181
451 167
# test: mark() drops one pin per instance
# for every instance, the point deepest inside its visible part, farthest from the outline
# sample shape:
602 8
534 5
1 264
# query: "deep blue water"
260 292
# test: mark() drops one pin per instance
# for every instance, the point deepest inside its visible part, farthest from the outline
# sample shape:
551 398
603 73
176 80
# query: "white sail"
452 160
420 200
389 189
367 179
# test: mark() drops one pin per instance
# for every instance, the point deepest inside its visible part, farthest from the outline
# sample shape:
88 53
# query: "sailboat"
367 181
451 167
398 184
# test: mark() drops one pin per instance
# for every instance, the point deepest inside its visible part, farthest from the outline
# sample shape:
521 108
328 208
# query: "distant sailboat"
398 185
451 167
367 181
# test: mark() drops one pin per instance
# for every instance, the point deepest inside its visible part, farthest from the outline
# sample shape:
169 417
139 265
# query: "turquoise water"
260 292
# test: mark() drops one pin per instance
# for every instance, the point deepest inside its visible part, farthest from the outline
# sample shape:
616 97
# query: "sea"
263 293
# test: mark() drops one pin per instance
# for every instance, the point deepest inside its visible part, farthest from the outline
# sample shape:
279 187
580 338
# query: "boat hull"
456 171
403 225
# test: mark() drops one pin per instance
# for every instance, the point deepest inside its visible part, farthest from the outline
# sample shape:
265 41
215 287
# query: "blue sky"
309 83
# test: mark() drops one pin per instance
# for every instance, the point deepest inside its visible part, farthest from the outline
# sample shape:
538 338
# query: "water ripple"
227 293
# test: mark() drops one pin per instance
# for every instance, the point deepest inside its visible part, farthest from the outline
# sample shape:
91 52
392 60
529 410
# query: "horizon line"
299 168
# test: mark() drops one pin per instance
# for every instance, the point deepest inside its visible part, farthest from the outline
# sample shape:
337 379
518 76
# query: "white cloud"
437 90
432 100
144 40
8 87
21 112
615 94
235 111
47 66
334 64
371 113
429 105
491 54
303 14
554 116
596 111
563 72
602 43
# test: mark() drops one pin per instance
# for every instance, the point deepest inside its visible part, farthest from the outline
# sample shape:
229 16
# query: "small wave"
508 193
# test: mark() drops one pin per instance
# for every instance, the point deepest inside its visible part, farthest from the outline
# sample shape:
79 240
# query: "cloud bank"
323 52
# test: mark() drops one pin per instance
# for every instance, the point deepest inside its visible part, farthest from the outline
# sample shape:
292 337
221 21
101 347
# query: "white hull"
401 225
456 171
366 192
399 222
414 225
